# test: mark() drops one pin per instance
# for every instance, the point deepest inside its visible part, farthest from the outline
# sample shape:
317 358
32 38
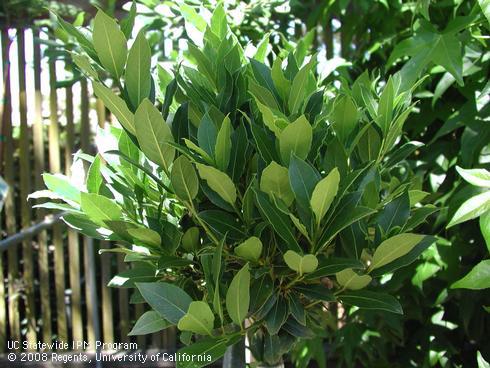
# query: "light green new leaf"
110 44
184 179
219 25
472 208
191 16
385 107
324 194
238 296
99 208
301 264
137 74
170 301
478 278
60 184
148 323
275 181
219 182
280 82
269 118
478 177
84 65
199 319
344 117
296 138
250 249
116 105
351 280
94 176
153 134
394 248
222 148
145 236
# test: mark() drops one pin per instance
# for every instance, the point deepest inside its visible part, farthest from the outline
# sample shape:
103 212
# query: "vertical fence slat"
39 166
3 305
73 239
25 180
93 327
105 261
55 166
107 315
138 312
10 221
123 303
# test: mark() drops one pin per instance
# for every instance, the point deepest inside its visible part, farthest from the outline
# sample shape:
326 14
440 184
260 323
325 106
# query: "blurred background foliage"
443 43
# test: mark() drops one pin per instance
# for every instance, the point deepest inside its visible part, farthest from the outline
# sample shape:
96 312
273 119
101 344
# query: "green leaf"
485 8
219 25
297 93
472 208
137 74
191 16
394 213
277 316
153 134
296 139
207 135
301 264
281 83
184 179
351 280
127 23
219 182
275 181
238 296
394 247
148 323
365 299
222 149
94 176
324 194
344 117
250 249
110 44
385 107
330 266
213 348
478 278
60 184
170 301
190 239
297 309
303 179
223 223
99 208
116 105
279 221
485 228
198 319
145 236
83 63
478 177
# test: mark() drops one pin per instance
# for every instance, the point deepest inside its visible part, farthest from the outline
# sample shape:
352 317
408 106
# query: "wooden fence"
52 284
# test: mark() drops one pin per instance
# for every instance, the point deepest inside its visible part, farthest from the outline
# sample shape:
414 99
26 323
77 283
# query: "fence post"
39 166
54 167
13 270
25 189
73 238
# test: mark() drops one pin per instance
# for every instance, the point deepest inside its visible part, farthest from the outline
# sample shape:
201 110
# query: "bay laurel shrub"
247 198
